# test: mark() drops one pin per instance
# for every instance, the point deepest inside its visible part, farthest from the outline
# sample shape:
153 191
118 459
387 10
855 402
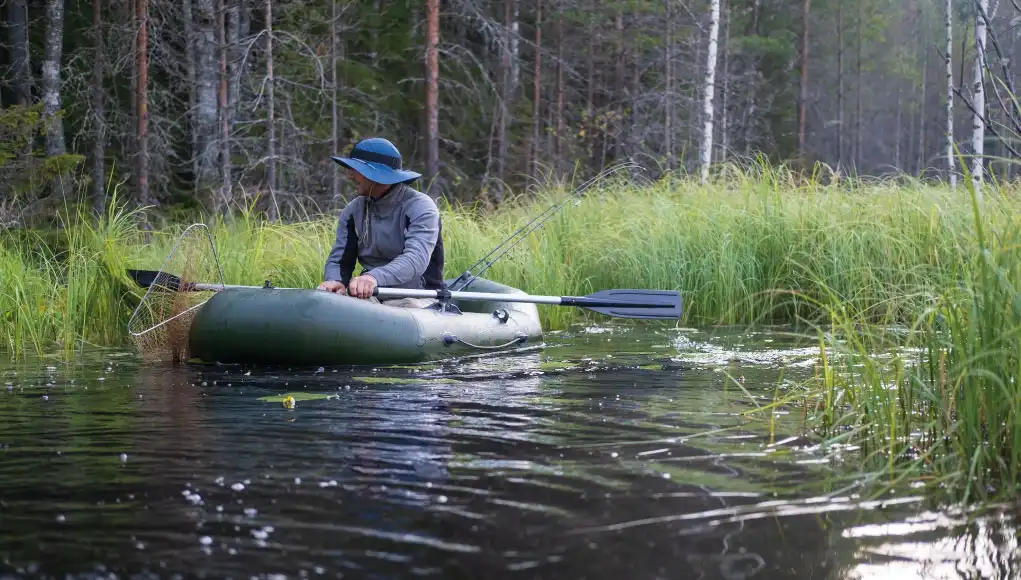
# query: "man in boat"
391 229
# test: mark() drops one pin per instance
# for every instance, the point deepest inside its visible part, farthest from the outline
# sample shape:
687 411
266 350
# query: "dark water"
610 453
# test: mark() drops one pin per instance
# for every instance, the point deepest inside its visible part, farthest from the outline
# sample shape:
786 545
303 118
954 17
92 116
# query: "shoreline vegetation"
911 288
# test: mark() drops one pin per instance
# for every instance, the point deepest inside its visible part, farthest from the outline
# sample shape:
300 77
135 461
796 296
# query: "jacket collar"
388 199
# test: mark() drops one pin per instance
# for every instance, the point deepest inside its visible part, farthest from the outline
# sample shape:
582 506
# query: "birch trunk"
948 58
51 77
98 113
271 142
142 98
17 36
432 39
979 98
708 86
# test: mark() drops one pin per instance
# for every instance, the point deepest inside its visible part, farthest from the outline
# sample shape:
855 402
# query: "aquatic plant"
934 401
750 247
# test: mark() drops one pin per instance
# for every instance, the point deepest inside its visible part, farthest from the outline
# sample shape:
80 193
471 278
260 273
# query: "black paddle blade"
651 304
147 278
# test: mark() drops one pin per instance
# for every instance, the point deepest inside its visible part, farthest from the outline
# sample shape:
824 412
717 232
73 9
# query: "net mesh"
160 325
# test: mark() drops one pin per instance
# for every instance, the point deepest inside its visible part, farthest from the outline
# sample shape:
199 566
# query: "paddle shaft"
477 296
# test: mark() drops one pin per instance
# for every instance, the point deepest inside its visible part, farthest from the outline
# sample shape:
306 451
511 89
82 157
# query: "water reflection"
609 454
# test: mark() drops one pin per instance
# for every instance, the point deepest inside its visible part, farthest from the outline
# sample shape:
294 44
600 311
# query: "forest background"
215 104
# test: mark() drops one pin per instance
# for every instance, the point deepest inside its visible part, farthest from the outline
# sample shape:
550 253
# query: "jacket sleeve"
423 228
340 264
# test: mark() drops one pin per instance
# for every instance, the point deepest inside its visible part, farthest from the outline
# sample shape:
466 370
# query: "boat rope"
451 339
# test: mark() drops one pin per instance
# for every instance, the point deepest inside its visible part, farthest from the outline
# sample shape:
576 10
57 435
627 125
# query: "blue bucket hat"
379 161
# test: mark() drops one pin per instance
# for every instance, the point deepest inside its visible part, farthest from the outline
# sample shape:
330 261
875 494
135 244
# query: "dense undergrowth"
923 272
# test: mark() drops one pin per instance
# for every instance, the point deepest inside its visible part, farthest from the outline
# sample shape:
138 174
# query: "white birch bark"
51 77
978 132
705 155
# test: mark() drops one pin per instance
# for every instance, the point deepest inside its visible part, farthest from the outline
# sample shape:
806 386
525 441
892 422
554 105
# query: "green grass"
936 401
747 249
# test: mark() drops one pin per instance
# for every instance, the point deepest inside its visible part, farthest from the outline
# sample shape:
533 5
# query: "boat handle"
449 339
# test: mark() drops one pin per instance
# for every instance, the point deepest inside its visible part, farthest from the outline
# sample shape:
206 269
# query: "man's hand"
362 286
334 286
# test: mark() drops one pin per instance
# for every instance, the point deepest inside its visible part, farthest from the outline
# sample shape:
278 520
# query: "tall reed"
750 248
937 400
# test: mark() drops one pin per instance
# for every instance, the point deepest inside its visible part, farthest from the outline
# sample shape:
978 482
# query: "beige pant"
406 302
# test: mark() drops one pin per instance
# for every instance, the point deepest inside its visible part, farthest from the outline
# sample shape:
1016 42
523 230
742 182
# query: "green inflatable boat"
312 327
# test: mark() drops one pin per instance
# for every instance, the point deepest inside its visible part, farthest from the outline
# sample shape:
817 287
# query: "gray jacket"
396 238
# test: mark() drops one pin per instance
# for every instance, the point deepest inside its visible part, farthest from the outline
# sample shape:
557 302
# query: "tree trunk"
708 86
724 124
142 98
979 98
921 117
224 107
840 84
51 77
189 67
515 48
668 116
559 115
506 94
432 74
536 93
803 99
17 37
618 77
234 9
271 126
334 111
99 117
206 110
949 21
590 63
858 94
897 129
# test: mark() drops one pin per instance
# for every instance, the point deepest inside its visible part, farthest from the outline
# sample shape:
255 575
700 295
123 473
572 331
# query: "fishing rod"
486 262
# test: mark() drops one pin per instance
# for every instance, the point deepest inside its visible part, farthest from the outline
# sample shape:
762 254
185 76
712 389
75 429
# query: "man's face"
363 185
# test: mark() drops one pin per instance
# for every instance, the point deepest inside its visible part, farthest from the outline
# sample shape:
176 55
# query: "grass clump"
936 401
749 248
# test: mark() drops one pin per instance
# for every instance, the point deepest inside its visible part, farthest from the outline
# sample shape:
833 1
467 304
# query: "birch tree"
51 77
978 97
706 151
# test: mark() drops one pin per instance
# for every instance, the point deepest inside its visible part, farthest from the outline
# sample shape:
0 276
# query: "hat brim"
378 172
